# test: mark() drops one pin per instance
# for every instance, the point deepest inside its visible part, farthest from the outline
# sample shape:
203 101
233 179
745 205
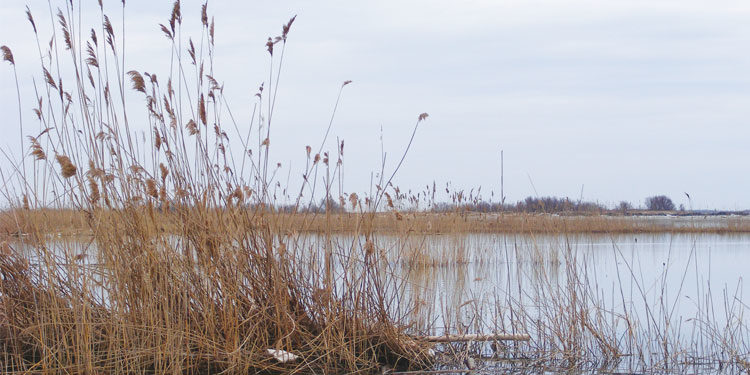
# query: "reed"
166 251
73 222
182 269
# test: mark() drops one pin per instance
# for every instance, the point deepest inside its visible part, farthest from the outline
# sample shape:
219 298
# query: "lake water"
654 299
651 296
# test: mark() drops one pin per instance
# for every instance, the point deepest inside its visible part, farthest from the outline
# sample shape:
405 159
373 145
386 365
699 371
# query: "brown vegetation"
165 255
167 271
72 222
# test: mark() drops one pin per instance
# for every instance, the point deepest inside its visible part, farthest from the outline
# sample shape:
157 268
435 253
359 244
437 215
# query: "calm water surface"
689 287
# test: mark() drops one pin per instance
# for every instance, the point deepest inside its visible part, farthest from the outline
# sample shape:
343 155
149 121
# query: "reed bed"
182 271
72 222
166 251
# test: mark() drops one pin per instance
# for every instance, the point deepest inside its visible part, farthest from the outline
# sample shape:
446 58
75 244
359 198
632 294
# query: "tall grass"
180 260
73 222
183 271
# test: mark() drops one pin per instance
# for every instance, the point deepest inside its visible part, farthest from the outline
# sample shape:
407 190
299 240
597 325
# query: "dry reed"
163 257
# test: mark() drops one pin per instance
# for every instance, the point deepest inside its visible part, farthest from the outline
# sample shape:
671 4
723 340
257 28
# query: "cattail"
316 159
138 83
25 202
308 149
7 55
66 166
151 188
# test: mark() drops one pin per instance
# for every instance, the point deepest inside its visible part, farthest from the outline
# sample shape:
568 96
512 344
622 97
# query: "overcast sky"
617 100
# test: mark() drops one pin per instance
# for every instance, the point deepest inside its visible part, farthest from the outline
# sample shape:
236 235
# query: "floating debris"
282 356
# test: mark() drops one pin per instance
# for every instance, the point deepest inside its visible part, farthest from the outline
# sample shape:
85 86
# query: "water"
674 270
657 299
651 296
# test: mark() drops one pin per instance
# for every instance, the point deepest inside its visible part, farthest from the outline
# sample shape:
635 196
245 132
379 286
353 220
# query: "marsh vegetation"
170 253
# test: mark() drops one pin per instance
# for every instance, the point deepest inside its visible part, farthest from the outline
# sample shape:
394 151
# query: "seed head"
138 83
151 188
94 196
7 55
66 166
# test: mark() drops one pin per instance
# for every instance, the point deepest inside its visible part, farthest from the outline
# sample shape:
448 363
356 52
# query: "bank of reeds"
183 270
172 259
72 222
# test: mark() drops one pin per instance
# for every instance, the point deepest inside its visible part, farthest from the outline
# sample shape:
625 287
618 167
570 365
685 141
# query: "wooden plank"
475 337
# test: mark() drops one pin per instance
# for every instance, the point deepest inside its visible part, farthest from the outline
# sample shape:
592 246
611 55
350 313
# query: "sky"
601 100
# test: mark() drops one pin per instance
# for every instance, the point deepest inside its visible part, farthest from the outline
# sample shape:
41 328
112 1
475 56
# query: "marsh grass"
185 269
167 252
72 222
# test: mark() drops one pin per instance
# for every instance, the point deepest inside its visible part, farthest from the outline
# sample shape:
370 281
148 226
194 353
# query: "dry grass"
140 257
72 222
169 260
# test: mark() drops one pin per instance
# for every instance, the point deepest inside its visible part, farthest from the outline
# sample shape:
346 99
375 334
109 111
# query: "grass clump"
177 266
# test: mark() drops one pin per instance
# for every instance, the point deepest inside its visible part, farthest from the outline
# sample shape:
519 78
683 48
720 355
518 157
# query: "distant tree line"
528 205
557 205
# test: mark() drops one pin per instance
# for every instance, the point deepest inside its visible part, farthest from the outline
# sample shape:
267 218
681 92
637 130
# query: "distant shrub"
659 203
555 204
624 206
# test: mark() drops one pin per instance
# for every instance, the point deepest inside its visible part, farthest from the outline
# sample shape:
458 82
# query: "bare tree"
625 206
659 203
